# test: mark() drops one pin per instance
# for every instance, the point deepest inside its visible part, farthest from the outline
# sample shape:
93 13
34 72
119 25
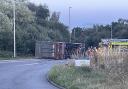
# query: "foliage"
92 36
32 24
42 12
113 76
5 54
55 17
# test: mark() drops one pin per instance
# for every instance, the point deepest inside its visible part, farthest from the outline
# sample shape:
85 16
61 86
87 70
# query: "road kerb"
54 84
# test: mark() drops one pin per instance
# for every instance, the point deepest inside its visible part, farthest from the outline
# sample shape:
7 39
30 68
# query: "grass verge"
71 77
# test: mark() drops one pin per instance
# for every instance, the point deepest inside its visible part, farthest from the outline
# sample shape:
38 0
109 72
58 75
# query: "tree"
92 36
32 7
5 23
55 17
6 36
77 35
42 12
32 24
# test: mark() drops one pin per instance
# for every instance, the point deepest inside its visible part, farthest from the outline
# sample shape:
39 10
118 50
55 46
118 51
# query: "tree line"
33 23
92 36
38 23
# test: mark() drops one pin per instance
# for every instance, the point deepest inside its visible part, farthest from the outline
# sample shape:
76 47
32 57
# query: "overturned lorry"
56 50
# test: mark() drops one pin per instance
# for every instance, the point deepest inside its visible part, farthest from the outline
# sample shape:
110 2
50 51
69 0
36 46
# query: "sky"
85 13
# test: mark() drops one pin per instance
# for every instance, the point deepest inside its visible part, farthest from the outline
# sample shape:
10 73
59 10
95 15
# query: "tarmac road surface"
26 74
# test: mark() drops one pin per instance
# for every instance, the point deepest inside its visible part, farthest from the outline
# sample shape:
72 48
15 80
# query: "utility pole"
111 33
14 27
70 24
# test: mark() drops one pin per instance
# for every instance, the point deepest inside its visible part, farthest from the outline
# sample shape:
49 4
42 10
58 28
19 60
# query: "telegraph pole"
14 27
111 33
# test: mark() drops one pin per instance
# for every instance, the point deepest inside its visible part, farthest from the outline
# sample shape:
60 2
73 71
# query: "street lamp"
14 27
70 22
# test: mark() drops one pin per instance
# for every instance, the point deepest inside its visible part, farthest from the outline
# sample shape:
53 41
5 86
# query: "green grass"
71 77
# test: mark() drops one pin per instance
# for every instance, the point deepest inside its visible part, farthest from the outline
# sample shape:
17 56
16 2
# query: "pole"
14 27
70 23
111 33
74 34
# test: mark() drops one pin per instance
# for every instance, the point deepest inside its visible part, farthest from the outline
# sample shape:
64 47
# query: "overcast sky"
88 12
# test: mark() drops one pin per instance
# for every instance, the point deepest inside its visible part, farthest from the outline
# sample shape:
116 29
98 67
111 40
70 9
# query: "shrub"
6 54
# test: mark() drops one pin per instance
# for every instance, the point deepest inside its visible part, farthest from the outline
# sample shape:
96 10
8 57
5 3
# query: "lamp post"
14 27
70 22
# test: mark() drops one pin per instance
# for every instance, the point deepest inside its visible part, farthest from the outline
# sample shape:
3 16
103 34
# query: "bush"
6 54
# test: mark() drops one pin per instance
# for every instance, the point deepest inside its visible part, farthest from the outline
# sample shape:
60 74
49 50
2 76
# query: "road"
26 74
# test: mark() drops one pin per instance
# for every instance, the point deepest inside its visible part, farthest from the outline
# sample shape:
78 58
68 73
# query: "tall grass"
108 57
109 70
115 62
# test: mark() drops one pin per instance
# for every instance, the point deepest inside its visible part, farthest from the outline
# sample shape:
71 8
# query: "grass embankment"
71 77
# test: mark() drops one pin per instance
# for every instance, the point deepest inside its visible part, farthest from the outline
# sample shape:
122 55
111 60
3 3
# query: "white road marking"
15 61
28 64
